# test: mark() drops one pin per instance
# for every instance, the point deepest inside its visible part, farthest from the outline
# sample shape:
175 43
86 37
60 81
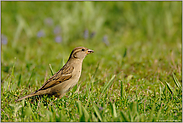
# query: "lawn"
134 74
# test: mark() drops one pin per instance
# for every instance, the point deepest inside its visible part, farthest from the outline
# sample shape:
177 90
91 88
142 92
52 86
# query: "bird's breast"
76 73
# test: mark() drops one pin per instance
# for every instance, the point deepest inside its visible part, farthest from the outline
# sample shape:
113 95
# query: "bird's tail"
40 92
27 96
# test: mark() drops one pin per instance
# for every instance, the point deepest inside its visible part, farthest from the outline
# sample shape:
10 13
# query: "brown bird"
66 78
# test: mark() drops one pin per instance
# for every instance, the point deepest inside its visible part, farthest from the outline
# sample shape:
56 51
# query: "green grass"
134 75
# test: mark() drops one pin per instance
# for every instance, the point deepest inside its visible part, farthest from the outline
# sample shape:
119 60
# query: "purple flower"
4 39
86 34
40 34
57 30
92 34
58 39
105 40
101 108
48 21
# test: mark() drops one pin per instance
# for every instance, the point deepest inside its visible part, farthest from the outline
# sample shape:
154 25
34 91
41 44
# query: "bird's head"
80 53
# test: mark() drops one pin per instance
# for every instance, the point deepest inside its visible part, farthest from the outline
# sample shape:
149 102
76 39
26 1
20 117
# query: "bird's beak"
89 51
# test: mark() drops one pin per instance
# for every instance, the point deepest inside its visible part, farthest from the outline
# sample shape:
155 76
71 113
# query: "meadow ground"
135 73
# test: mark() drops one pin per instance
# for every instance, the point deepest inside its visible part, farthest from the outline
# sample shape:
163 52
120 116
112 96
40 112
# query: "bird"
66 78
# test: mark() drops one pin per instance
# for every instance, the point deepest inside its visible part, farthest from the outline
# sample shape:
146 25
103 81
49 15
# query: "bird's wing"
62 75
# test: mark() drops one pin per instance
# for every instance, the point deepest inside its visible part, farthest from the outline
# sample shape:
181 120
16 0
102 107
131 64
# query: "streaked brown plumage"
66 78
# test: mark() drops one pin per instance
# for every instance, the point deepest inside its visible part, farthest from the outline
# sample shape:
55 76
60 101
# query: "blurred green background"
140 42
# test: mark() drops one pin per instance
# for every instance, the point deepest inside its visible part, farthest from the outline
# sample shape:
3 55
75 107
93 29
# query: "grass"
134 75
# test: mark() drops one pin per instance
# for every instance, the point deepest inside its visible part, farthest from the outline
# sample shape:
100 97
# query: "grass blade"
125 52
94 119
124 117
133 110
97 112
114 110
122 91
79 107
160 93
108 84
52 72
19 80
8 84
176 81
82 118
170 88
86 114
152 113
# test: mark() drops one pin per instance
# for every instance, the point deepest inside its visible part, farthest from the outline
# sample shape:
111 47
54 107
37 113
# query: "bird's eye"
83 49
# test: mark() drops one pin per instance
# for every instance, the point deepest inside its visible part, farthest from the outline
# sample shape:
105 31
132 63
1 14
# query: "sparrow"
66 78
